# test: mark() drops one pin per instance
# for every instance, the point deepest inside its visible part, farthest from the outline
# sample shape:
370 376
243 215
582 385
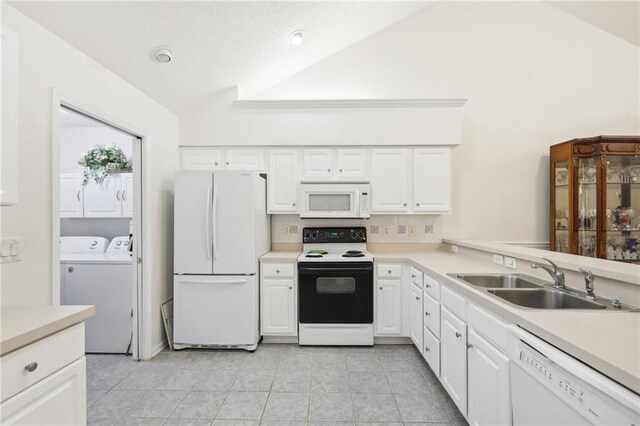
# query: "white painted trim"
336 334
280 339
348 103
157 349
141 347
625 272
392 340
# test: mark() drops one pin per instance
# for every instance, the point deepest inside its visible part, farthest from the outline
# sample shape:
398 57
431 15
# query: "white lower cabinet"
488 382
416 316
453 358
431 350
60 399
278 300
388 317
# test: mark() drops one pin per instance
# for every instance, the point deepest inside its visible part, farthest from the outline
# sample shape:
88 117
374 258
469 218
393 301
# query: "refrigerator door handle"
194 281
207 220
215 221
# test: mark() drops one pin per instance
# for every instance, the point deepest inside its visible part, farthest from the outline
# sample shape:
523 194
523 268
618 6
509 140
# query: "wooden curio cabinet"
595 197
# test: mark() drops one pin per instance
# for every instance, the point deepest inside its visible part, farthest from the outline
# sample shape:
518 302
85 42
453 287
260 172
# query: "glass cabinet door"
587 207
562 200
622 207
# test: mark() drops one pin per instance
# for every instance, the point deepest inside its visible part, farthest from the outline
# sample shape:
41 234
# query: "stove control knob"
314 235
307 235
354 234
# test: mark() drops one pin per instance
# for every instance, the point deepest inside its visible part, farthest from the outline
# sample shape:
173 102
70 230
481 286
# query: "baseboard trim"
158 348
280 339
392 340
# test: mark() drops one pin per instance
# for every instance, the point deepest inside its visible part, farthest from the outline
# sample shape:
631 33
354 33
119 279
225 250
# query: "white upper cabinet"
103 200
201 158
317 164
432 180
71 194
282 181
390 180
244 159
326 165
352 164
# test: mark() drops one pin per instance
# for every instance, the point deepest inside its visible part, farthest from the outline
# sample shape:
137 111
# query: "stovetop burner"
353 253
314 254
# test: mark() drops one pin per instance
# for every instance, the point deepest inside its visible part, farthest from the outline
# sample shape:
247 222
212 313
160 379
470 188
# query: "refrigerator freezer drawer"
215 310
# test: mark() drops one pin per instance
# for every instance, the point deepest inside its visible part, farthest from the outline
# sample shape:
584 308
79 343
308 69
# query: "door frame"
142 321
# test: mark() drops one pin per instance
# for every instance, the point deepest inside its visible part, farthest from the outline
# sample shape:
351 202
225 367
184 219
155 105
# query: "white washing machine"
93 273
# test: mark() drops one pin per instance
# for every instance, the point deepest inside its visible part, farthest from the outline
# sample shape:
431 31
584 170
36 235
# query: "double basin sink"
530 292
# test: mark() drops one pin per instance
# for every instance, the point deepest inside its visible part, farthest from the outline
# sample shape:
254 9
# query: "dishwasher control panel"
597 408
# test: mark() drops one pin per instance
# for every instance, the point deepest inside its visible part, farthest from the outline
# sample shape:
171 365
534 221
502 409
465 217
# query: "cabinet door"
453 358
59 399
317 164
389 308
431 314
71 195
126 184
278 307
390 180
283 181
352 164
489 402
103 200
432 180
244 159
416 316
201 158
431 351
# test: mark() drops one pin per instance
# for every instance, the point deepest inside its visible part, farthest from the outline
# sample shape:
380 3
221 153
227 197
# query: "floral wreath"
101 161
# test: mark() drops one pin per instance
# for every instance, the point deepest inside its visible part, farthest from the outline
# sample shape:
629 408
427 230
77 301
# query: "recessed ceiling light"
296 37
162 55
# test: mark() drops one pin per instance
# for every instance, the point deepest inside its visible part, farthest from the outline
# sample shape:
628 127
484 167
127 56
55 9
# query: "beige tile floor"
275 385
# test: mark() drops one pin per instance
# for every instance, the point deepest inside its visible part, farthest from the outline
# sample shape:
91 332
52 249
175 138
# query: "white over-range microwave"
335 200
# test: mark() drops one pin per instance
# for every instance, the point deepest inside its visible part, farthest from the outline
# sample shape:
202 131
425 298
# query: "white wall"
75 141
48 62
534 76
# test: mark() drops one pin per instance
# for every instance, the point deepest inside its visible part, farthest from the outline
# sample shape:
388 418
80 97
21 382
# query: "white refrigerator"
221 228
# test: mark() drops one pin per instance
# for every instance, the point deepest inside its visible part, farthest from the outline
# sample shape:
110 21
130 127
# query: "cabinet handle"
469 345
293 204
124 195
417 298
426 348
31 367
70 269
216 163
380 288
458 335
227 163
427 313
418 204
427 285
277 271
389 271
340 170
328 170
405 204
290 287
78 195
413 276
118 195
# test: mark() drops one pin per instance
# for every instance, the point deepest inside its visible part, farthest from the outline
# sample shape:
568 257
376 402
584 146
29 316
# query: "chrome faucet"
588 281
554 271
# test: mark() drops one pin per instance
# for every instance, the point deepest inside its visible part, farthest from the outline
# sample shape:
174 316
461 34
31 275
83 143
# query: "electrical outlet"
510 262
285 229
386 230
428 229
374 229
412 231
454 248
293 229
498 259
10 250
402 229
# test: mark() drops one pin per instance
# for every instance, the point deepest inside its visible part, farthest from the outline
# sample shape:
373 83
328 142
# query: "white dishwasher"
549 387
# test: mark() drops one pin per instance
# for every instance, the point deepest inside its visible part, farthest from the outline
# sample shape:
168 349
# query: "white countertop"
608 341
281 256
23 325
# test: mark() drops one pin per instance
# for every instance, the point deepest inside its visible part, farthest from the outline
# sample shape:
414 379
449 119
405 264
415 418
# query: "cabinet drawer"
431 314
274 270
454 302
389 271
488 326
432 287
431 351
416 277
51 354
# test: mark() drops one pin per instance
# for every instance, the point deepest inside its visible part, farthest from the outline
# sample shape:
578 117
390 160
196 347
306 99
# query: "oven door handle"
304 269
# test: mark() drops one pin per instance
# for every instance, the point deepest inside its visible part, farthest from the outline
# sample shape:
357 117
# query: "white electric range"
335 287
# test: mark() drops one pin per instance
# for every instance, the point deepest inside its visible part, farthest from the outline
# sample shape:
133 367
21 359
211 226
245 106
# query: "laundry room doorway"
97 227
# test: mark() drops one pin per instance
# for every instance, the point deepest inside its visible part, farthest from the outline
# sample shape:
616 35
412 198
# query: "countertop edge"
30 336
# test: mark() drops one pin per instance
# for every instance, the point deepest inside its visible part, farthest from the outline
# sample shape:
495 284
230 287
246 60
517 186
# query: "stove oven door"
335 292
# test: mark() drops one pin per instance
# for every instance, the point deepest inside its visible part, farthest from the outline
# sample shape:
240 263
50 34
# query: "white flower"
111 167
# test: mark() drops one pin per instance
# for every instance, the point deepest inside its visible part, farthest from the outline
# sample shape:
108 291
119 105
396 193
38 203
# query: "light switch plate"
510 262
375 229
428 229
498 259
412 230
386 230
10 250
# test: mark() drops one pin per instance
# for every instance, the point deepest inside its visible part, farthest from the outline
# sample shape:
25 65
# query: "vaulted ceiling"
215 45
